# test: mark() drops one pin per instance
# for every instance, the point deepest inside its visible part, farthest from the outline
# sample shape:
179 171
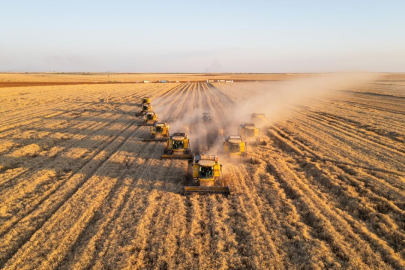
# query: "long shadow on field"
83 163
48 161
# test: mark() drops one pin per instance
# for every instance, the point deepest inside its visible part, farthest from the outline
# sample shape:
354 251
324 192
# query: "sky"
202 36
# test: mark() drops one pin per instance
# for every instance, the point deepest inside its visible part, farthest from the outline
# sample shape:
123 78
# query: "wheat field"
79 189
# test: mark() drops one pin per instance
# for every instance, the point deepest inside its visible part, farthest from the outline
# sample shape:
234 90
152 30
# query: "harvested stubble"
79 188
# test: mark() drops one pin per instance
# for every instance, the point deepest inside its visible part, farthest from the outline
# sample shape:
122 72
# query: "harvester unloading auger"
205 173
158 132
178 147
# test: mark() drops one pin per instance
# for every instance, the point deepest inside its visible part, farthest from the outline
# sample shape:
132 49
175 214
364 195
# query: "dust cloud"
277 101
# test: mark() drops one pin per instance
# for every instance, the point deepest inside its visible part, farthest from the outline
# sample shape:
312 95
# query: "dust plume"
276 101
284 99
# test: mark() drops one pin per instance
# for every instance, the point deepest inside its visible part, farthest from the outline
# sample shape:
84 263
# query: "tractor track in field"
76 130
327 190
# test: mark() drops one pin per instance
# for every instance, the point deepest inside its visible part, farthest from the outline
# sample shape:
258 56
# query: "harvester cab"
149 119
234 146
249 132
178 147
159 132
206 174
206 116
258 118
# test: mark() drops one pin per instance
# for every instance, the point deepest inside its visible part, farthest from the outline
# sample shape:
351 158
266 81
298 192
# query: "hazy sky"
202 36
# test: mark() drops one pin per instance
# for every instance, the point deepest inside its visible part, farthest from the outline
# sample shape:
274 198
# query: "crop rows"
80 189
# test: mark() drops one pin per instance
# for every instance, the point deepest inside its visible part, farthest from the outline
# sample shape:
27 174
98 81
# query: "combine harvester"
204 173
207 116
249 132
158 132
149 119
145 100
258 118
178 147
146 107
234 146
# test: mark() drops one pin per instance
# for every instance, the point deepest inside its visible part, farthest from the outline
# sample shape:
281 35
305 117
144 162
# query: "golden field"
79 189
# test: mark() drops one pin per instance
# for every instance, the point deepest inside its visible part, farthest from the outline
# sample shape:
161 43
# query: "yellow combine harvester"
145 100
149 119
249 132
258 118
159 132
206 172
146 108
178 147
234 146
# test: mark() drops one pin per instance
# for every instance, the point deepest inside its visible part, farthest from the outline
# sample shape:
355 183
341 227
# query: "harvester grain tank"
178 147
206 176
159 132
234 146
